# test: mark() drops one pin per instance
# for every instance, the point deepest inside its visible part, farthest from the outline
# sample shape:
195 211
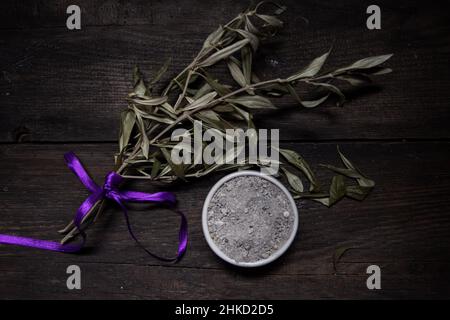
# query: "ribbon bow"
110 190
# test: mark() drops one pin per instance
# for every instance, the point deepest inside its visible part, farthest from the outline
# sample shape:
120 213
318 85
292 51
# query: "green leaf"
297 161
223 53
127 125
294 181
253 102
312 69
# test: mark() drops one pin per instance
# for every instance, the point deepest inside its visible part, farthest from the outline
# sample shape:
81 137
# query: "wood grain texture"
60 85
403 227
64 90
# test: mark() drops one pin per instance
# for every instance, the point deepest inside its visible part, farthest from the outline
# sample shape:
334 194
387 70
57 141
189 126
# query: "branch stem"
213 103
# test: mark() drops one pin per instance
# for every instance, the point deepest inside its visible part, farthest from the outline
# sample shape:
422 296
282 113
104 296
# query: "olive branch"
194 94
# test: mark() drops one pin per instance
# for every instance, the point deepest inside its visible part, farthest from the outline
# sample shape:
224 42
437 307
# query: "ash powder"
249 218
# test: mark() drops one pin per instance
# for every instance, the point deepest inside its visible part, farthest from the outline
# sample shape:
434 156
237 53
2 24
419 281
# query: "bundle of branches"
194 94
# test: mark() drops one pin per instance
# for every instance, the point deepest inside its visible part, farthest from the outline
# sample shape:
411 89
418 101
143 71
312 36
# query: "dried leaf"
271 20
362 180
140 88
221 89
331 88
223 53
159 73
155 168
312 69
357 192
207 98
253 39
253 102
211 118
354 79
247 57
236 73
212 39
204 89
297 161
381 71
350 173
145 143
154 101
365 63
158 119
127 125
337 189
177 169
247 116
338 255
250 27
306 104
294 181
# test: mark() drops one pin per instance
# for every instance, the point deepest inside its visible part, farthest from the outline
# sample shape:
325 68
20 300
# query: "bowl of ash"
249 219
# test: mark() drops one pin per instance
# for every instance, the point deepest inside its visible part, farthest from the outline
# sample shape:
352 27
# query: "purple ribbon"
110 190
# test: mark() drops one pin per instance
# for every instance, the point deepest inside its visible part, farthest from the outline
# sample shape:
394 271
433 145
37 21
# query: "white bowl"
216 249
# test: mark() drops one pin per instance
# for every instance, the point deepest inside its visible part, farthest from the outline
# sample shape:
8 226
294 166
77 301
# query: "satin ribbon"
110 190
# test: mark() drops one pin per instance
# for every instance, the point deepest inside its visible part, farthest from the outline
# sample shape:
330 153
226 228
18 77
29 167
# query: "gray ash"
249 218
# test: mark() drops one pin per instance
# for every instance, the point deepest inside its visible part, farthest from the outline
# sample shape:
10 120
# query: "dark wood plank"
403 227
58 85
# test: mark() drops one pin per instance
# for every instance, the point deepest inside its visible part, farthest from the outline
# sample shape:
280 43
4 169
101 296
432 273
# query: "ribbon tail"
137 196
183 234
41 244
77 168
82 211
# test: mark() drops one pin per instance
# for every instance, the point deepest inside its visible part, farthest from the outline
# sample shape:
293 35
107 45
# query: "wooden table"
63 90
